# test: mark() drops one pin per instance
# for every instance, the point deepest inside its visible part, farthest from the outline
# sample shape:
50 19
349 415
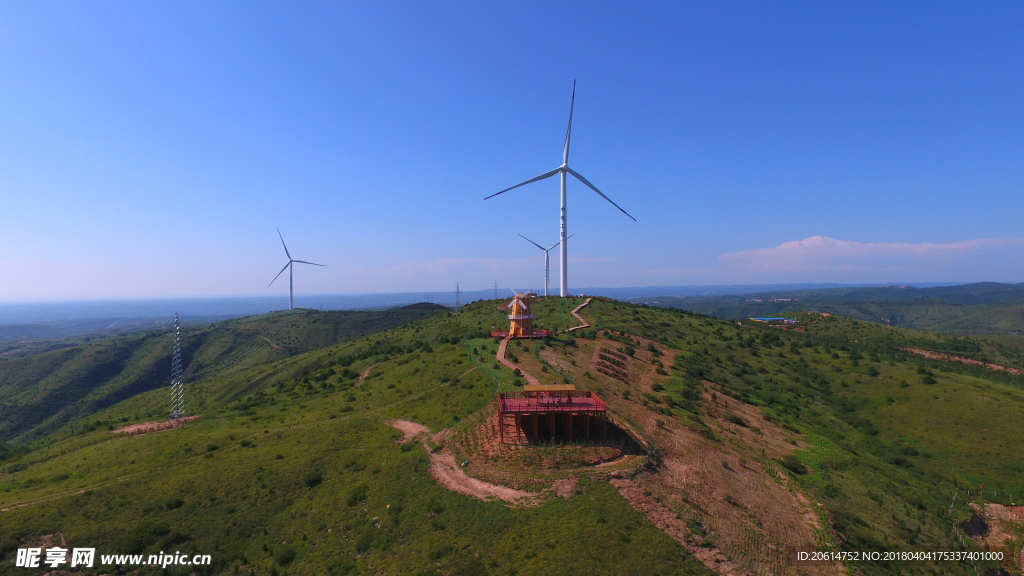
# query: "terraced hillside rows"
738 442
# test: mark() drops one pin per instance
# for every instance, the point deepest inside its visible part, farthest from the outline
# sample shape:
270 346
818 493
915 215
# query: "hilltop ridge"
752 439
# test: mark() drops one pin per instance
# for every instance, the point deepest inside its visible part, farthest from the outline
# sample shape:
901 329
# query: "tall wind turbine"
546 251
562 171
291 277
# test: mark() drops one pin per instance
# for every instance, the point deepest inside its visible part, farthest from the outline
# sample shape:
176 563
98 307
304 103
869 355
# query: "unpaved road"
951 358
409 429
449 474
157 426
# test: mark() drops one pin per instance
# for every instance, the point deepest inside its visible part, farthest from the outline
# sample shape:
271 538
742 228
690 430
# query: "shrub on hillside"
793 464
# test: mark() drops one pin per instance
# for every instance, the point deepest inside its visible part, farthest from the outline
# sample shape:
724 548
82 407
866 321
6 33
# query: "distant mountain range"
102 313
982 308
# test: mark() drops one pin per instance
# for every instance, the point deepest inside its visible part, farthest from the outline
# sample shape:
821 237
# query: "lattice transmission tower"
177 390
458 298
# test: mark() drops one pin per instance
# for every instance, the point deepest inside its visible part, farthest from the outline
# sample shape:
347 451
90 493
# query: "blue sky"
151 149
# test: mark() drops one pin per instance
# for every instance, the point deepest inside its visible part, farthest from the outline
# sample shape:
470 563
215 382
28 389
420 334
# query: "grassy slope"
42 392
886 438
305 467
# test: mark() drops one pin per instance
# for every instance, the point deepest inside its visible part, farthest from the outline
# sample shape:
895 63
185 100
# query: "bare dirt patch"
409 429
1005 523
673 525
565 487
157 426
931 355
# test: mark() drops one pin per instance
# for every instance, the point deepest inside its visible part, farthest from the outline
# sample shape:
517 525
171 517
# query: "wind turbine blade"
559 242
279 274
568 131
592 187
283 244
531 241
531 180
313 263
514 293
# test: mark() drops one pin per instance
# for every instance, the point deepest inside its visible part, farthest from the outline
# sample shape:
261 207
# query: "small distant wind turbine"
562 171
288 266
546 251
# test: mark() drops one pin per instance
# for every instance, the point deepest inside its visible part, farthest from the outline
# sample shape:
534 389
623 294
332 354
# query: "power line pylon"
177 390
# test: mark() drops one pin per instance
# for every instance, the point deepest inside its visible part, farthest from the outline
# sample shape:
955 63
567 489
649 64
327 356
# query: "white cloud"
829 259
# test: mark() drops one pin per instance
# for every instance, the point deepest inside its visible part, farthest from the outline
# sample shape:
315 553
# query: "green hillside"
984 308
41 392
749 440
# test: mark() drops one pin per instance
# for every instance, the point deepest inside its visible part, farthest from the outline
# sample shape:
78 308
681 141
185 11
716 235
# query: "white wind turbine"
288 266
546 251
562 171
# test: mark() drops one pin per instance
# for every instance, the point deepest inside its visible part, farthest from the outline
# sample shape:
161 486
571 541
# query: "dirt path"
157 426
449 474
575 312
365 373
409 428
285 348
951 358
501 358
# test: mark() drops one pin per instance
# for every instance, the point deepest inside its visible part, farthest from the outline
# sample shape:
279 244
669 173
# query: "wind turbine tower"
546 251
177 390
288 266
562 171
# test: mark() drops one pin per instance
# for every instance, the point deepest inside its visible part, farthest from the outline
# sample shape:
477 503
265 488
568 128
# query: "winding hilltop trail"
362 377
501 358
575 312
285 348
931 355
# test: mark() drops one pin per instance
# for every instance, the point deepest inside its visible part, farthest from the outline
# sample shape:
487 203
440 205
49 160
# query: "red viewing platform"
569 405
